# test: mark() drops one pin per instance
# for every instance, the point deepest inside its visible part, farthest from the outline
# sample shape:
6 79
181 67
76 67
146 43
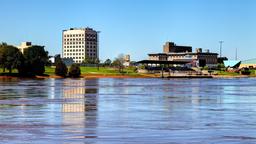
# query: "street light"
221 46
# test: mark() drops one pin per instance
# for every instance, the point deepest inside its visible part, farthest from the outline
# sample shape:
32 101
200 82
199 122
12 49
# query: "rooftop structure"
171 47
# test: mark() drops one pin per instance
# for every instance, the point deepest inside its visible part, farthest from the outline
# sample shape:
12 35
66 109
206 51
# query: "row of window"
75 58
79 46
80 43
74 50
80 35
80 39
79 50
89 54
66 54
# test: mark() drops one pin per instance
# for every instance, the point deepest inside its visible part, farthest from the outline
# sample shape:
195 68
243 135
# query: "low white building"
127 60
24 45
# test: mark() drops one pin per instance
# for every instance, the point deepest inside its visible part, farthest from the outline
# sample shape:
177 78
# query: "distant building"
24 45
78 43
251 63
55 58
127 60
171 47
185 54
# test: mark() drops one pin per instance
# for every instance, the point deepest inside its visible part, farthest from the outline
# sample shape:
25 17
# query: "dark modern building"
171 52
171 47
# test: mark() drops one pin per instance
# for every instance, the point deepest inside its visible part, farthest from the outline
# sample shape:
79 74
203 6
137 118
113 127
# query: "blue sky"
135 27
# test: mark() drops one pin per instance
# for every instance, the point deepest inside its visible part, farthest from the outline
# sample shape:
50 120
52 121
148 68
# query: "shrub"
74 71
61 69
35 59
245 71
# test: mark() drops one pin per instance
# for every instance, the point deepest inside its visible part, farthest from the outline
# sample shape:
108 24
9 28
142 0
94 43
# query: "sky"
135 27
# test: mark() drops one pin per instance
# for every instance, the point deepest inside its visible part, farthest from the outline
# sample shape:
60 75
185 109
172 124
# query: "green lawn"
225 73
95 70
7 71
113 71
88 70
49 70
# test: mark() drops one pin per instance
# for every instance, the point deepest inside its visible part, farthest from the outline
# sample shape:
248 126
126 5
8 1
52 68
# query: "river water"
109 111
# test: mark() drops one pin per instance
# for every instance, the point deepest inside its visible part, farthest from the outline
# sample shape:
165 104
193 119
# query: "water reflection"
128 111
79 111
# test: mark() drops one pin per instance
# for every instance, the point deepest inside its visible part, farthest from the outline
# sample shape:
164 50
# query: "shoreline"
95 76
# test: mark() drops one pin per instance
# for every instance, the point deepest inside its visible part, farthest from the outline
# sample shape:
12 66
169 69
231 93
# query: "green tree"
10 57
97 61
61 69
88 60
2 54
74 71
35 59
119 62
107 62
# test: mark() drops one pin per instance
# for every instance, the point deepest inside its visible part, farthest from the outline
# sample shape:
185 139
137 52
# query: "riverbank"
119 76
107 72
89 76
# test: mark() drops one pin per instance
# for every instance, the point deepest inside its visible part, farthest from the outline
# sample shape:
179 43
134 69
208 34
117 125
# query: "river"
109 111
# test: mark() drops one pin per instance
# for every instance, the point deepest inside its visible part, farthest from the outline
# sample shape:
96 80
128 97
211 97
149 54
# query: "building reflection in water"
79 109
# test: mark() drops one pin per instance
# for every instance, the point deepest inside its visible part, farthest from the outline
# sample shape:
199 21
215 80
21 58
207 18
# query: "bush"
38 67
74 71
35 59
245 71
61 69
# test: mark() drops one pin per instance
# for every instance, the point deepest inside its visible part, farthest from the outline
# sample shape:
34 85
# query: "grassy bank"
114 72
100 71
88 71
225 73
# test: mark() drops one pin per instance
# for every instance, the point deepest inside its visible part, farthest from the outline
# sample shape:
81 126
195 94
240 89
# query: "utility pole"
221 46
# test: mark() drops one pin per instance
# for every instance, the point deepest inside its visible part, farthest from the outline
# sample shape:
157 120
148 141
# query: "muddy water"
128 111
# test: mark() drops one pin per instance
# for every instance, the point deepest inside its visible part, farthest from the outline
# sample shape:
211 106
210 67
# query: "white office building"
79 43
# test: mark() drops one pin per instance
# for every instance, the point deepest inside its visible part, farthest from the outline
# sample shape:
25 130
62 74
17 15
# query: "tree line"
31 62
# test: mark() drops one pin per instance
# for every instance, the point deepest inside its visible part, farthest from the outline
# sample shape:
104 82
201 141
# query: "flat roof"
162 62
250 61
188 53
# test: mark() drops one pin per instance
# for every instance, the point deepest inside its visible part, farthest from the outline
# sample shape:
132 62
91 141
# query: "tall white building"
78 43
